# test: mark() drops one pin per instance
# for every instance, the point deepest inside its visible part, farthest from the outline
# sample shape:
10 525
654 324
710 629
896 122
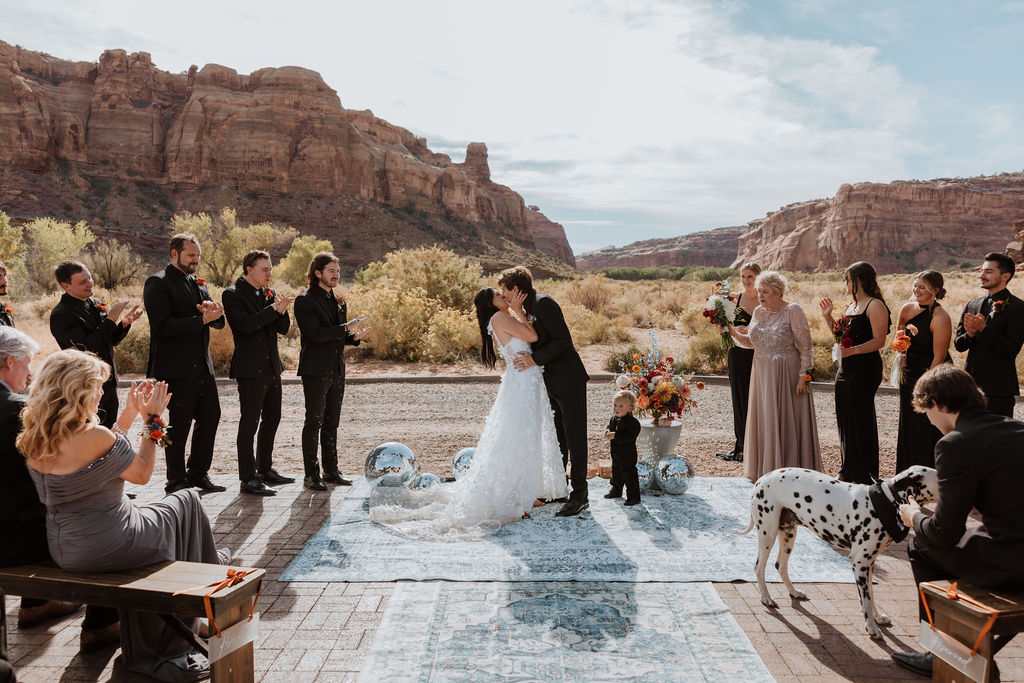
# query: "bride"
517 459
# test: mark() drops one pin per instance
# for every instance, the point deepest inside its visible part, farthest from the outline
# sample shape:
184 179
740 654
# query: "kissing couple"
536 427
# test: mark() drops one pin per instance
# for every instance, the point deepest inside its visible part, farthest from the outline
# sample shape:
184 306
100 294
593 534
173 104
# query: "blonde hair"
627 396
772 280
60 402
752 267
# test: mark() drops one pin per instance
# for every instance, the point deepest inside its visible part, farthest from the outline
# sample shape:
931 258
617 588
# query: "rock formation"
709 248
127 144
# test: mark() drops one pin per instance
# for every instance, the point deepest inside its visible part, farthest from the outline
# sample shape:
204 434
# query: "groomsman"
256 315
83 322
181 313
6 316
991 330
321 317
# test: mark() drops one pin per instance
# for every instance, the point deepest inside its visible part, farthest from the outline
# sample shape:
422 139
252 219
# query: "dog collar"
885 506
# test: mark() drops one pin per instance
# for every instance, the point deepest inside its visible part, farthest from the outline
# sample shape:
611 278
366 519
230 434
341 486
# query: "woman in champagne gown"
781 428
79 469
517 460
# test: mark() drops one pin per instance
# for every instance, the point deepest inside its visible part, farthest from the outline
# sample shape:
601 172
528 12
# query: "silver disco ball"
461 462
425 481
673 473
391 464
643 472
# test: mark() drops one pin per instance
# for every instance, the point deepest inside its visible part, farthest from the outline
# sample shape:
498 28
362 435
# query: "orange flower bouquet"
660 393
900 343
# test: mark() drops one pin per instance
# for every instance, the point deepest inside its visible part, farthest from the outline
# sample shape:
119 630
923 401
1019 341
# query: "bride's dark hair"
485 308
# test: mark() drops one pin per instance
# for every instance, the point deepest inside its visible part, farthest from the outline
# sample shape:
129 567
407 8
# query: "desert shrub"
400 319
623 356
49 242
451 336
222 346
132 354
593 292
705 354
12 246
588 327
444 276
113 264
294 266
225 241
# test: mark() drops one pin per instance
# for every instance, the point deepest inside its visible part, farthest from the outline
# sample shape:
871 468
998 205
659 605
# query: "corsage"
156 431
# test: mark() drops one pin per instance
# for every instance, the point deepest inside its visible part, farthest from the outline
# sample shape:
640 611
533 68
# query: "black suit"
22 515
992 353
179 354
623 446
566 381
321 317
256 366
980 465
82 325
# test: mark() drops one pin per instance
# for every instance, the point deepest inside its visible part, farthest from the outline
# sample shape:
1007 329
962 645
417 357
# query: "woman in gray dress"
79 468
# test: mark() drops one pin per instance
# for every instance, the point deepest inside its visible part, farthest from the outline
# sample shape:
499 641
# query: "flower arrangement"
720 309
660 393
900 343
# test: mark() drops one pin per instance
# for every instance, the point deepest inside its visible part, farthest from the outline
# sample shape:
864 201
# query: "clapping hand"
361 332
826 307
138 395
115 311
157 400
211 310
131 315
974 323
281 302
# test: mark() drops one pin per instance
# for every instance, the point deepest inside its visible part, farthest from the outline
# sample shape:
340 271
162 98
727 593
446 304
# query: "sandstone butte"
123 145
900 226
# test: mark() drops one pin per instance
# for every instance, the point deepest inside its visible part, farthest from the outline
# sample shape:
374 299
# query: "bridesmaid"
930 329
860 372
741 359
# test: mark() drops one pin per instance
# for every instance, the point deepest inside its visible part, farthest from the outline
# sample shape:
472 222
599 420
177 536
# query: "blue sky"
624 121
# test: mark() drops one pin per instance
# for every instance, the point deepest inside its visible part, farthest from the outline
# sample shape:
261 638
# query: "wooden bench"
151 589
964 621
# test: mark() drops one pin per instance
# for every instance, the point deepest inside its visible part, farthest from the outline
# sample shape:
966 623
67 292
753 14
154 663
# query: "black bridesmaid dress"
856 384
915 442
741 361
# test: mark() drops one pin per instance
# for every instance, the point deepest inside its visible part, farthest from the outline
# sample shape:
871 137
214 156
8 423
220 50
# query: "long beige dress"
781 428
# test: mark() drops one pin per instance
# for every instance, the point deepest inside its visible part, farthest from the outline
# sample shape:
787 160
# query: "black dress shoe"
272 477
912 661
630 502
614 494
314 484
730 457
573 507
256 487
173 486
203 483
336 478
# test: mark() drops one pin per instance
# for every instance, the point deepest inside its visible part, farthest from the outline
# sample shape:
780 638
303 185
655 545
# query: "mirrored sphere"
673 474
391 464
643 471
425 481
461 461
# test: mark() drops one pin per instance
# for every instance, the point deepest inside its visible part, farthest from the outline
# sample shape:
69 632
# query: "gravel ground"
436 420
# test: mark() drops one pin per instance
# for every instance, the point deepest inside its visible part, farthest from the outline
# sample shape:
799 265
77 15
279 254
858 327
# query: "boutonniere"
8 310
341 300
100 306
997 307
201 282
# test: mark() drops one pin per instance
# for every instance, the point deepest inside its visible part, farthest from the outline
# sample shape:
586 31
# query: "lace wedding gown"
517 461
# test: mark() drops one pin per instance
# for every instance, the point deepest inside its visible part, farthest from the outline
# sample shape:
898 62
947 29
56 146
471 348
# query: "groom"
564 377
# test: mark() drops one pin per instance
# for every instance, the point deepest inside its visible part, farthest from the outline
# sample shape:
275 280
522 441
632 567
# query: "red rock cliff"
708 248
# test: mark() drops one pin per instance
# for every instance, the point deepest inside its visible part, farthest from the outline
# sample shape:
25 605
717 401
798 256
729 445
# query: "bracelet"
118 429
156 431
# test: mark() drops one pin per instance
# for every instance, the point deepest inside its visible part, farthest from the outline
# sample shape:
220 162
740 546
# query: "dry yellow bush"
451 336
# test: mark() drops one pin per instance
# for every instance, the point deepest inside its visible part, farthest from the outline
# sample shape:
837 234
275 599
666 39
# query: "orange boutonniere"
341 300
201 282
100 305
9 310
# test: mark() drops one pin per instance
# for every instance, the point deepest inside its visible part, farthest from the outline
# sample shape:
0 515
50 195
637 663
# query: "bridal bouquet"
841 331
660 393
900 344
720 309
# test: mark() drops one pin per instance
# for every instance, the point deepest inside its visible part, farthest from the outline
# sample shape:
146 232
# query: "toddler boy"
623 429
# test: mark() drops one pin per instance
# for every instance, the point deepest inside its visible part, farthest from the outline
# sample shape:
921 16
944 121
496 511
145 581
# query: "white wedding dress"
517 461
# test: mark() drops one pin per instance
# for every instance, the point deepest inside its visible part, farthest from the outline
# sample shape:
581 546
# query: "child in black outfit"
623 429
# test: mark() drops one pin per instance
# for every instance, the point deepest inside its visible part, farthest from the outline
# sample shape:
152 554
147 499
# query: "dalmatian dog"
855 519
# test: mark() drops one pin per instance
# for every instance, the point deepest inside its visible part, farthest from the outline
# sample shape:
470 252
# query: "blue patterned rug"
669 538
440 631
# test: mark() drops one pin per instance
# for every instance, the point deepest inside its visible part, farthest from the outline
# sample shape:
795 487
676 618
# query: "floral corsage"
807 376
531 319
156 431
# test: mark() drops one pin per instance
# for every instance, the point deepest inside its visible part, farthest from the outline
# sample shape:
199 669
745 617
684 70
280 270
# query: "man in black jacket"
991 330
979 465
256 315
564 376
181 313
83 322
322 318
6 314
22 516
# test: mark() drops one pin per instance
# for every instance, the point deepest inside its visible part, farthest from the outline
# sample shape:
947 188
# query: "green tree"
225 241
49 242
113 264
292 268
11 244
445 276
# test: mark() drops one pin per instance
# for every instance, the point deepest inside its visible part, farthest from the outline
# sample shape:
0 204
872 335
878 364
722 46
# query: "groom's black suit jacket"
563 367
992 353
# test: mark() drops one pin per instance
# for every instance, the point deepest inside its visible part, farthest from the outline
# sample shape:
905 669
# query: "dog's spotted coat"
839 513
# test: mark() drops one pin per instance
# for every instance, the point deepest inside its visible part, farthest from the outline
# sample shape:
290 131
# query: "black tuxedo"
82 325
566 381
256 365
179 354
5 317
623 446
992 353
321 317
980 465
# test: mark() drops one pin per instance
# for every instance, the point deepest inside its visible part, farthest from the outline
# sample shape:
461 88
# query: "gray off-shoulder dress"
92 526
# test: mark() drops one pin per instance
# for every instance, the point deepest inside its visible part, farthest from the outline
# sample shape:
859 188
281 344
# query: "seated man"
22 516
980 465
